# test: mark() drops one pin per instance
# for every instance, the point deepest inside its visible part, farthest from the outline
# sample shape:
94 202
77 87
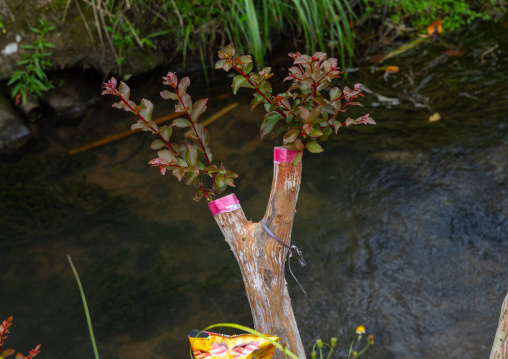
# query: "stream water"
403 224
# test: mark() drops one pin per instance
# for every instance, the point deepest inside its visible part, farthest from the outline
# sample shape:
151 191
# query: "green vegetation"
199 26
453 13
31 80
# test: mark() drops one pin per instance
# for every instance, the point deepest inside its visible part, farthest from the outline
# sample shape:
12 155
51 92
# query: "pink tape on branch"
224 204
282 155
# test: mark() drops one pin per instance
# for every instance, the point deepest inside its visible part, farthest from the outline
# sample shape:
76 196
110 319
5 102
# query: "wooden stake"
500 346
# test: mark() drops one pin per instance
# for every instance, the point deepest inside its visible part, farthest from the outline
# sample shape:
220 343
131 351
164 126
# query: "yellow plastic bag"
208 345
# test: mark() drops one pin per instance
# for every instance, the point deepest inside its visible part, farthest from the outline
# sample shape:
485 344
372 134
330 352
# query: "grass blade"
88 320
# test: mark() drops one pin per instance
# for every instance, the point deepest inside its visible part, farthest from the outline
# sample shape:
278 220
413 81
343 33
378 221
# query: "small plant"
31 80
453 13
181 159
4 330
353 349
302 113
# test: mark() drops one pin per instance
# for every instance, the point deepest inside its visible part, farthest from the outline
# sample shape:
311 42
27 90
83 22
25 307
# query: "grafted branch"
260 257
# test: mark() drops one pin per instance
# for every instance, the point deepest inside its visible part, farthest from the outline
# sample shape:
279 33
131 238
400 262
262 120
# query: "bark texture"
500 346
262 259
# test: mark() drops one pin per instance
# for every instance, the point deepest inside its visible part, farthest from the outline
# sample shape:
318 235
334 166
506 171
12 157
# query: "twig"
488 51
4 5
84 21
119 136
99 32
101 12
65 11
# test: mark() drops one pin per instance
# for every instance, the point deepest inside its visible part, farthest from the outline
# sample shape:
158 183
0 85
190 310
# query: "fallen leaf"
435 28
454 53
392 69
435 117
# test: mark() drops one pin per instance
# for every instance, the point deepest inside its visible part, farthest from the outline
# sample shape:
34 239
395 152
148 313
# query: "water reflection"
403 226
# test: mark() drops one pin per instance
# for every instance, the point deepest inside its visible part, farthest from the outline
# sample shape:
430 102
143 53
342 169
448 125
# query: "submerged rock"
13 131
67 103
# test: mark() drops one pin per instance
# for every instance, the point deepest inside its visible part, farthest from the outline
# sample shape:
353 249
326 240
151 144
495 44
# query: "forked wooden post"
500 346
260 257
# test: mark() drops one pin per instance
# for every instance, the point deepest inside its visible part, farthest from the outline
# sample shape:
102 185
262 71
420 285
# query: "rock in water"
12 129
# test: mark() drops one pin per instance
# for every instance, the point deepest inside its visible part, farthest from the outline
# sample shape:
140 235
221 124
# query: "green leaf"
167 155
269 122
194 169
219 64
315 133
277 132
256 101
138 125
334 94
219 180
169 95
146 109
297 158
124 90
190 155
291 136
179 172
157 144
187 102
245 59
268 107
165 132
198 108
191 178
182 86
265 85
181 122
336 126
208 153
314 147
247 68
326 132
314 113
238 81
181 162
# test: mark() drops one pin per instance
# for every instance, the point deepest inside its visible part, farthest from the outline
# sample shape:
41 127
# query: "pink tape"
282 155
224 204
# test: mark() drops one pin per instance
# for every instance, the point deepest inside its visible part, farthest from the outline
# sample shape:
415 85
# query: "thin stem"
204 191
147 123
194 128
336 113
291 112
257 89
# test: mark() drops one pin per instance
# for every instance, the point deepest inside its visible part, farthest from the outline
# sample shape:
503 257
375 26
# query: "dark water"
403 225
